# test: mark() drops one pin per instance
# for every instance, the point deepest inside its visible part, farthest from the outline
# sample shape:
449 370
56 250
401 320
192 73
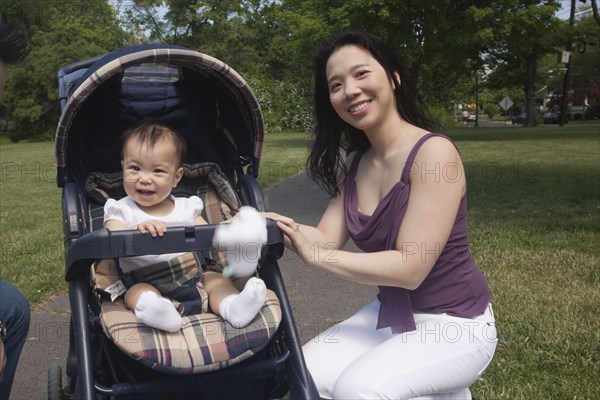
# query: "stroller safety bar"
103 244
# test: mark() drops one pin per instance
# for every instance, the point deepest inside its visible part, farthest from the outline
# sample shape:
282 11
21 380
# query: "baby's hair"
150 132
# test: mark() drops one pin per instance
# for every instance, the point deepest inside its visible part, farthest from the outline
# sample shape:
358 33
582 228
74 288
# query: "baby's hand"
156 228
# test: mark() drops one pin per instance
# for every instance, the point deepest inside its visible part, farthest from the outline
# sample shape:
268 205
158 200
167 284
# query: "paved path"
317 299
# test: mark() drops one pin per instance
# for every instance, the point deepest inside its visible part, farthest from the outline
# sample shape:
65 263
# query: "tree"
524 32
443 43
436 40
585 65
69 31
448 45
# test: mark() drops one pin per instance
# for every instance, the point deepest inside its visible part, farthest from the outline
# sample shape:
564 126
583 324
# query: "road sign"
506 103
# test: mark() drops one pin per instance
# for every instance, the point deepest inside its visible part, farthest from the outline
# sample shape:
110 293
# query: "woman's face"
360 90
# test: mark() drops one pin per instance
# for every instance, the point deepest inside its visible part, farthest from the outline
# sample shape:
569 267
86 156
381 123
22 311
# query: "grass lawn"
534 219
30 220
534 210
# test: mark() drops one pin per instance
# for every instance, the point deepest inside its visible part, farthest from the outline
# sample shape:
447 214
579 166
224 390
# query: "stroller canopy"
202 98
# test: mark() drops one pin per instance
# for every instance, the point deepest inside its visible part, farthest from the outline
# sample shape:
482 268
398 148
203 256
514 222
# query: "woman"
401 196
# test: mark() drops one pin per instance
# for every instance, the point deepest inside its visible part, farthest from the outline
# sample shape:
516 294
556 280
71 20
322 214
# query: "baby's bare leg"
217 288
225 300
152 308
133 294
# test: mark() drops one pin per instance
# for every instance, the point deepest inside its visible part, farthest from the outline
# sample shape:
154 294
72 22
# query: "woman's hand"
156 228
295 239
278 217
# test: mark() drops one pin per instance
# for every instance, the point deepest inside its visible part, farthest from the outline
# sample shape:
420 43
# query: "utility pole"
569 48
476 99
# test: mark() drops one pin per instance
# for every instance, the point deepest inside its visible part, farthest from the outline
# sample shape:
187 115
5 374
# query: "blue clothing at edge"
14 313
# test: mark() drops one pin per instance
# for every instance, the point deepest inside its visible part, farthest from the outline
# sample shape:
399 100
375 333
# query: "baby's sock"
242 261
248 227
243 239
240 309
157 312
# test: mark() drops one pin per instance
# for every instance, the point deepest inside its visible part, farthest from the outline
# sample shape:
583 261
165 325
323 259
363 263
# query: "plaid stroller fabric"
179 279
205 343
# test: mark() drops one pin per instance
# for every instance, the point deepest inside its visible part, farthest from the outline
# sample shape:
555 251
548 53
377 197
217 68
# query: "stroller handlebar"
101 244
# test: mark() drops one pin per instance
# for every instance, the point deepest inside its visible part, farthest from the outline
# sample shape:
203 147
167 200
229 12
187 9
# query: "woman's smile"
358 108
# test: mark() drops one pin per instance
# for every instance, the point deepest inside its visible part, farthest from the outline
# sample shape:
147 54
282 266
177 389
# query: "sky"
565 9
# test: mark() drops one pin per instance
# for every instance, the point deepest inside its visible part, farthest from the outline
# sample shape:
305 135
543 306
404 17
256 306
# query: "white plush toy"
243 239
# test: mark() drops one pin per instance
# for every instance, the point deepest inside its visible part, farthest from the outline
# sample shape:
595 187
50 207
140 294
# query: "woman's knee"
340 376
349 386
323 371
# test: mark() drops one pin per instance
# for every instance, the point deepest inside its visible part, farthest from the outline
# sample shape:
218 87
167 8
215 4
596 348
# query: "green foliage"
444 116
491 110
445 44
525 32
70 31
585 63
279 111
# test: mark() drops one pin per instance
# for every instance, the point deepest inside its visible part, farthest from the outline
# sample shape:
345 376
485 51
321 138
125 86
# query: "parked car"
551 118
519 119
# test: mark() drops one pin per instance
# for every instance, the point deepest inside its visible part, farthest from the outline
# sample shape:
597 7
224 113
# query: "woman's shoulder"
436 146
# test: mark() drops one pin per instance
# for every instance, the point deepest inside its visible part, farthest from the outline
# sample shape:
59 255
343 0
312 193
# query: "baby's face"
150 173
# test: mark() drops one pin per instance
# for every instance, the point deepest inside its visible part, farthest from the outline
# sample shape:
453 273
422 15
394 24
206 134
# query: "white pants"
439 360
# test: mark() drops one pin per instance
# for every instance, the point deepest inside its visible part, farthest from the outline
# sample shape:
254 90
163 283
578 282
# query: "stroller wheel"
55 389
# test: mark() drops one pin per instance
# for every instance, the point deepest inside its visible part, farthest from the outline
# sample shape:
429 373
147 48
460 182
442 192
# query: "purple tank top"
455 285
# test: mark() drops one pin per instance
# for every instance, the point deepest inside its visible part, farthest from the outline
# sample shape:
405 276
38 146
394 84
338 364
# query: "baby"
151 160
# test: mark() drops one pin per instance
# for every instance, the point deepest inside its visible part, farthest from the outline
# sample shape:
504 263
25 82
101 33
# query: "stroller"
111 356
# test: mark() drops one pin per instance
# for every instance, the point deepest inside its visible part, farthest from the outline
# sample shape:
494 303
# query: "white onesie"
127 211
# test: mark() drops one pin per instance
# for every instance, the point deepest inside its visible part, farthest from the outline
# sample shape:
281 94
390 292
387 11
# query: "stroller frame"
280 367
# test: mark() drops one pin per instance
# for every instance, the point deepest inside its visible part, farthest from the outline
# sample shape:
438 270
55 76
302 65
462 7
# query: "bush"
444 117
491 110
285 105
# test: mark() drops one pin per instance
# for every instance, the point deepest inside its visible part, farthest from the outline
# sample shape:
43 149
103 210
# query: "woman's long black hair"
325 161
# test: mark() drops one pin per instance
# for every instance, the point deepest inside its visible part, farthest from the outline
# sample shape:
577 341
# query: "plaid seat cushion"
206 342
